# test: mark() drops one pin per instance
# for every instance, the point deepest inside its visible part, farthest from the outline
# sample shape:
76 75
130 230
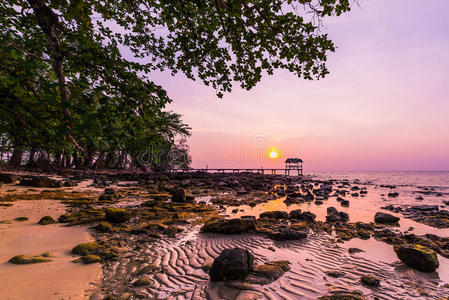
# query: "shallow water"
409 185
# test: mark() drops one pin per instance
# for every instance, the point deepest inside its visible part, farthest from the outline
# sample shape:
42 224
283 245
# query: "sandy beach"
58 279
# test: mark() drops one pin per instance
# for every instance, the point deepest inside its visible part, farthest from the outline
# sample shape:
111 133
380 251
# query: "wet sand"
58 279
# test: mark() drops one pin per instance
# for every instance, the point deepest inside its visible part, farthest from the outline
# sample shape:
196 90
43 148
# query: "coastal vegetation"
76 83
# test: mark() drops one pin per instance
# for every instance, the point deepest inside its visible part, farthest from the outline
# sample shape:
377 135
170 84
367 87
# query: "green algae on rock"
90 259
24 259
87 248
105 227
46 220
117 215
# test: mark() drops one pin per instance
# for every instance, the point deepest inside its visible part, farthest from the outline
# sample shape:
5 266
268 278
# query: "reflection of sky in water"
364 208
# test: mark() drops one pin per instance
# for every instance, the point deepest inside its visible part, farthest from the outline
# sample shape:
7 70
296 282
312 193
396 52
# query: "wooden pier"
260 171
292 165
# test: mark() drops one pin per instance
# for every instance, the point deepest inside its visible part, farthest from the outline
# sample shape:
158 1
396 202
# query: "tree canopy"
75 82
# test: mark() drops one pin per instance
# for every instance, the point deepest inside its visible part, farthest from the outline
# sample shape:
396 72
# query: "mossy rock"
24 259
91 259
144 281
105 227
21 219
87 248
46 220
117 215
418 257
81 217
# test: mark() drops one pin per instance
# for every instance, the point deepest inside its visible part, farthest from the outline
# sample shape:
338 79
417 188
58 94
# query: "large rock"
384 218
276 214
228 226
231 264
418 257
8 177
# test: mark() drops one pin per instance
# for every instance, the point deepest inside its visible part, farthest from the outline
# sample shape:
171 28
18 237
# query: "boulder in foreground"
384 218
231 264
229 226
418 257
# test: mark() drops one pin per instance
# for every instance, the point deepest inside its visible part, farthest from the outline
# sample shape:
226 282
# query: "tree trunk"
31 161
48 21
16 158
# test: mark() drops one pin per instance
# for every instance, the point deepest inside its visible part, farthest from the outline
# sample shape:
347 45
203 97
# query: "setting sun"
273 153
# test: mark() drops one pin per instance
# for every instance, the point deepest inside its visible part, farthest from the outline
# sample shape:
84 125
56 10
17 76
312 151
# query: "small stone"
335 273
384 218
344 203
274 215
144 281
284 234
46 220
21 219
178 195
370 280
343 295
354 250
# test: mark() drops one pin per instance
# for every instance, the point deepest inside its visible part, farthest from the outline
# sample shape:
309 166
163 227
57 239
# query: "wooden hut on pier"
293 164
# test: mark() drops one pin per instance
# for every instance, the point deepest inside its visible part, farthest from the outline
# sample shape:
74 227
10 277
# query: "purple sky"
384 105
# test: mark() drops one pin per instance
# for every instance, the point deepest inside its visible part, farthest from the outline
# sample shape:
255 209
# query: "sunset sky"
384 105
